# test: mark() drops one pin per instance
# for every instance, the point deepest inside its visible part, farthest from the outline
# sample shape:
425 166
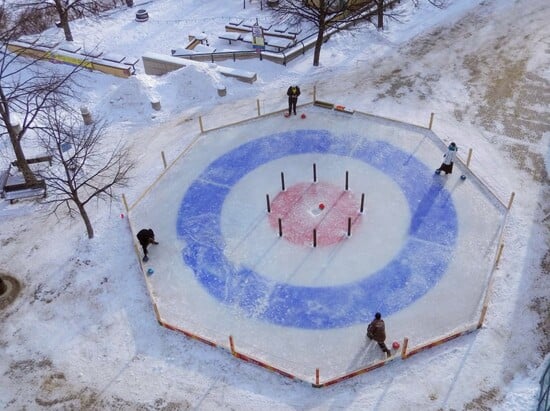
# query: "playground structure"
323 374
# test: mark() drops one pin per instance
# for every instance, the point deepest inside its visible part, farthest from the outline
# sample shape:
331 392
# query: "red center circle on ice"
300 211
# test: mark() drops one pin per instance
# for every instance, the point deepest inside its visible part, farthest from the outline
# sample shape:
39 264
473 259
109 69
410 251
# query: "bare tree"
437 3
328 14
5 16
341 14
67 10
29 87
84 167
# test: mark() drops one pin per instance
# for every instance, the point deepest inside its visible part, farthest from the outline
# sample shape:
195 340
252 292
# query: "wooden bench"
41 159
21 191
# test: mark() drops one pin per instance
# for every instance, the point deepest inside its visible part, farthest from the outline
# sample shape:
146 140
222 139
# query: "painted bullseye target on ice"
299 207
232 246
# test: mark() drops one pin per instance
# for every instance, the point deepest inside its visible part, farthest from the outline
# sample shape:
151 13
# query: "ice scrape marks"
324 207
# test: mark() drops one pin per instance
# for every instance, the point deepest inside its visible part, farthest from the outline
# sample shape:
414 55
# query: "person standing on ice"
146 237
377 331
449 159
293 92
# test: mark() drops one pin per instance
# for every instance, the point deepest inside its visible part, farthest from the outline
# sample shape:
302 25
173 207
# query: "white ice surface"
250 241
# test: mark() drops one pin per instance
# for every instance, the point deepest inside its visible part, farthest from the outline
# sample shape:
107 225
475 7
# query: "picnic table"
94 53
230 36
201 48
279 43
295 30
252 22
131 61
70 47
280 28
235 21
115 58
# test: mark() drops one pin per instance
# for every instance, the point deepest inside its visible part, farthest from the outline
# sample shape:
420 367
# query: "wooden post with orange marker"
511 200
470 151
314 238
404 348
482 316
317 384
163 159
499 253
125 202
232 345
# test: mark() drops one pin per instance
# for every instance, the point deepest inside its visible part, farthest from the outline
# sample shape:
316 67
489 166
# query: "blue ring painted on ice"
418 266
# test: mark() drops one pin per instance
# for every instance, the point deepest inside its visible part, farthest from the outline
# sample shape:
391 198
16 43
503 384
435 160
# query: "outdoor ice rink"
420 252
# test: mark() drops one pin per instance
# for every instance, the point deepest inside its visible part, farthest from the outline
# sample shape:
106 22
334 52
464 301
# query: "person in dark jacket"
146 237
293 92
448 160
377 331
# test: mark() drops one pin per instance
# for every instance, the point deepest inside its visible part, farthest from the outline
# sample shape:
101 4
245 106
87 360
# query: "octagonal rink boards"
289 234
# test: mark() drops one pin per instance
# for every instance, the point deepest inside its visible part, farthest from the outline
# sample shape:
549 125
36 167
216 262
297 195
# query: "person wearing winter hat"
449 159
293 92
146 237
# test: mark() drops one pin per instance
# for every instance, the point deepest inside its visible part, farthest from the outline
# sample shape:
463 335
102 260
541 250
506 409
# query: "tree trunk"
22 163
380 13
317 50
15 139
85 218
64 20
319 41
63 14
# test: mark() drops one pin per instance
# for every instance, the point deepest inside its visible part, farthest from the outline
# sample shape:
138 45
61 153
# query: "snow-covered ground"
82 333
